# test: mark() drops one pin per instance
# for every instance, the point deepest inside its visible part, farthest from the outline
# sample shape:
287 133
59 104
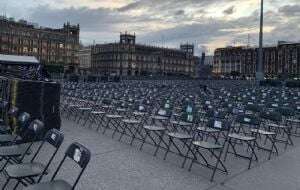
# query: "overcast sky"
206 23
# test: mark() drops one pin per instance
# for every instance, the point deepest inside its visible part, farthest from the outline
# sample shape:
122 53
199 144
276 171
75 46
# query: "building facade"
279 61
84 58
49 46
209 60
127 58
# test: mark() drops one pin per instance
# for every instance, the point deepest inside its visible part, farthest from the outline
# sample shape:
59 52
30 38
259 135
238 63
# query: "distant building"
282 60
204 68
209 60
49 46
126 58
84 57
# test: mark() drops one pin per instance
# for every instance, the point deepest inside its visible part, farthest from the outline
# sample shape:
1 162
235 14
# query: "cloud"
290 10
206 23
229 10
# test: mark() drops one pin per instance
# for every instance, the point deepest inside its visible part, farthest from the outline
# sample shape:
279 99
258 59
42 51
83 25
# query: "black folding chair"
21 127
242 132
25 173
76 152
215 148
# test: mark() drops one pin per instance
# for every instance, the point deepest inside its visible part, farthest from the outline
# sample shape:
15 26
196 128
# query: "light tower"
259 69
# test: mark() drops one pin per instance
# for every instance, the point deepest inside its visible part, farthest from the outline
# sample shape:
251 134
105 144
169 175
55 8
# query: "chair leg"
17 184
168 148
144 140
158 145
6 183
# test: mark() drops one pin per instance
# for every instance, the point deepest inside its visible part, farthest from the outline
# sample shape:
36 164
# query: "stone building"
49 46
84 58
279 61
126 58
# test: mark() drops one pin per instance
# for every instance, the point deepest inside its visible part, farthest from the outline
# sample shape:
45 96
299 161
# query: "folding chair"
162 116
14 147
25 173
241 132
266 131
76 152
215 148
180 133
22 122
288 114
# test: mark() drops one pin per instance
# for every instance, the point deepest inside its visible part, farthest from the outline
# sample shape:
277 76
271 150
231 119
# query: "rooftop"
15 59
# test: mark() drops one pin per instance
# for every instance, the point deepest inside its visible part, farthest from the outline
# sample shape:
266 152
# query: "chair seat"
208 130
262 132
182 123
73 105
24 170
107 106
4 129
154 128
179 135
131 121
276 126
293 120
203 120
206 145
114 116
241 137
158 117
8 138
98 112
121 110
14 150
84 109
136 113
53 185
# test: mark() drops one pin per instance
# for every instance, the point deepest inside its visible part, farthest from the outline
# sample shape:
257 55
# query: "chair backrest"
248 120
286 111
35 129
23 122
80 155
54 138
271 115
219 124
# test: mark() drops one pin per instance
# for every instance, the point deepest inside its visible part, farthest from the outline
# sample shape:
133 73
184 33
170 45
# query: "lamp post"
259 70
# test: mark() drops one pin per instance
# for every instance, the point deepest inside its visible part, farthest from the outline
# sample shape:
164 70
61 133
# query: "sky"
208 24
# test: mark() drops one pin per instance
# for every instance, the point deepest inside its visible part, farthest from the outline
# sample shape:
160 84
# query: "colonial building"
289 59
282 60
84 57
127 58
49 46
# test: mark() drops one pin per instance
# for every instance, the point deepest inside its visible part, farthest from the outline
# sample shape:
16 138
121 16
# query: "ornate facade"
127 58
49 46
282 60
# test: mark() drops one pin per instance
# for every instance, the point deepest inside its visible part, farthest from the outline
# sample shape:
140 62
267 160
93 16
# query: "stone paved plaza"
118 166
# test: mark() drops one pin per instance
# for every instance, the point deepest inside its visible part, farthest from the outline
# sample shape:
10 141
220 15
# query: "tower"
127 38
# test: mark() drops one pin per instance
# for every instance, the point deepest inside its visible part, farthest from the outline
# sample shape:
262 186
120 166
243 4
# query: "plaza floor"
118 166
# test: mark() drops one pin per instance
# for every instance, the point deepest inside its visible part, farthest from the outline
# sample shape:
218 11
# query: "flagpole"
259 70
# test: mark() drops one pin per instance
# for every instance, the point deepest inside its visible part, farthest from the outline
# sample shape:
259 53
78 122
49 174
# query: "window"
25 49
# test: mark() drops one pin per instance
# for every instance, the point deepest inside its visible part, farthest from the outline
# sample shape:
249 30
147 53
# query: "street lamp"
259 70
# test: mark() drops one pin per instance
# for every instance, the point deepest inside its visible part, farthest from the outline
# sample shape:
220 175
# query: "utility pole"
259 70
